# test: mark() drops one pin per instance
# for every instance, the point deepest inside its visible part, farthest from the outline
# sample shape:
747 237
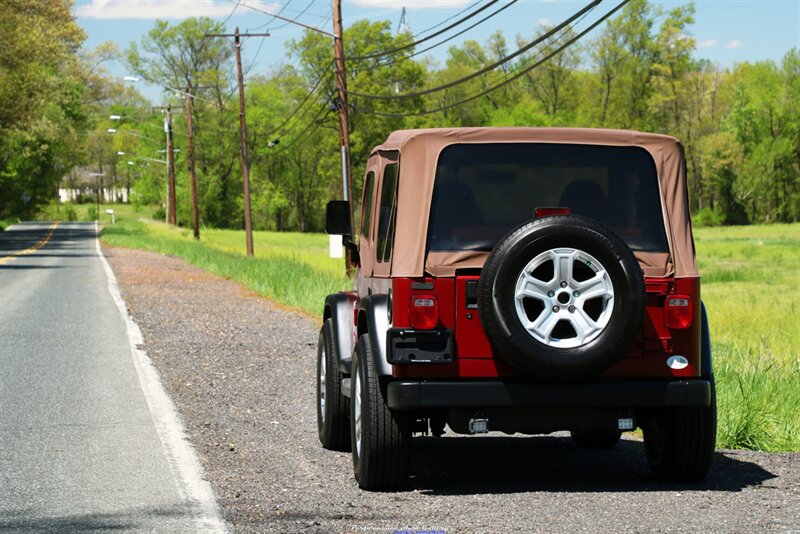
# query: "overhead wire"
426 30
279 128
263 38
552 31
509 78
238 3
313 122
406 46
418 52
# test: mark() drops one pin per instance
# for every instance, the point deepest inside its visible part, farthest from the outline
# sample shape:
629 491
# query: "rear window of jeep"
482 191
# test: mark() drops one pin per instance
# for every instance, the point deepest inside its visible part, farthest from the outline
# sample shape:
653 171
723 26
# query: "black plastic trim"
376 312
706 363
415 394
339 307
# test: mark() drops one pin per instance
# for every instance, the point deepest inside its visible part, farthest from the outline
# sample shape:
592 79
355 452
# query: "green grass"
290 268
751 288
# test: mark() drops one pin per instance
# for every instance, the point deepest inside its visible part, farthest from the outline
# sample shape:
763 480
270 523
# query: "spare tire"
561 298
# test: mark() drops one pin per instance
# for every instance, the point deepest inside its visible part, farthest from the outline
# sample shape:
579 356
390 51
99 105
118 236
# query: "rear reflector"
544 212
424 312
678 312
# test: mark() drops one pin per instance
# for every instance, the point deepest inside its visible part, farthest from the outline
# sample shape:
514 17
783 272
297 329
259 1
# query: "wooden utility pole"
171 217
344 122
248 224
190 127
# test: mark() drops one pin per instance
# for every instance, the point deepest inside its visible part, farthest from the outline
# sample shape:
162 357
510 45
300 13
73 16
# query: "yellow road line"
34 248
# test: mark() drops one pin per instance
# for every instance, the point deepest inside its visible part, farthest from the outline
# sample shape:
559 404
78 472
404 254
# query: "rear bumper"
415 394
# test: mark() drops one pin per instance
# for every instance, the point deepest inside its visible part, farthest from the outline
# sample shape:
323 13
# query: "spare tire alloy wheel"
583 303
561 298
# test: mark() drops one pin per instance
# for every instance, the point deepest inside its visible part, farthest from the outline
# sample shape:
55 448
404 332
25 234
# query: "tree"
182 58
40 101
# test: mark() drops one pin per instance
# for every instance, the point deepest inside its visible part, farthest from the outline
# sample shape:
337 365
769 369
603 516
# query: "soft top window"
482 191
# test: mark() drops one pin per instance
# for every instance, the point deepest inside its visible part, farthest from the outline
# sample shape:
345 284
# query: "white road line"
180 454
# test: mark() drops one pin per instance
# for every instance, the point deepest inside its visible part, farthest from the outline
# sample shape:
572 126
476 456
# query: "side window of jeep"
366 207
388 206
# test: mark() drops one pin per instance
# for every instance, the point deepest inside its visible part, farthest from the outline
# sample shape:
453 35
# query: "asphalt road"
84 435
242 372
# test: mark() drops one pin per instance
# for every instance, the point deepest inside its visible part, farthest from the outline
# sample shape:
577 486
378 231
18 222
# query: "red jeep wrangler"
519 280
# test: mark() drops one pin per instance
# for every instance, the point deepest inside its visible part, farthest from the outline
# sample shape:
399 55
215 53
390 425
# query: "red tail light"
544 212
678 312
424 312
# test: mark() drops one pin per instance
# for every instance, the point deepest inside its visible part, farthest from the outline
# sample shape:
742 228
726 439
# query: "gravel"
241 371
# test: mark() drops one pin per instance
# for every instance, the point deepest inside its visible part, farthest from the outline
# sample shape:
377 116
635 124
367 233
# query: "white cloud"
411 4
166 9
734 44
706 43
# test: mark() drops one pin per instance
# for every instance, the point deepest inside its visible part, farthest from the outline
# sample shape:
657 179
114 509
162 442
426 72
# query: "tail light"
678 312
544 212
424 312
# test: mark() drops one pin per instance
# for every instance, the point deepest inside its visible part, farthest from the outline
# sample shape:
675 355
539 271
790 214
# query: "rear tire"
333 409
680 442
596 440
381 438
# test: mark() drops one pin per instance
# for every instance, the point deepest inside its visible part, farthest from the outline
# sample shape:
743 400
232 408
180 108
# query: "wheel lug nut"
571 309
576 293
563 284
556 309
551 294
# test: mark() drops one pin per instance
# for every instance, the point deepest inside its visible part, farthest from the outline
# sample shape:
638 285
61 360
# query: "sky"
726 31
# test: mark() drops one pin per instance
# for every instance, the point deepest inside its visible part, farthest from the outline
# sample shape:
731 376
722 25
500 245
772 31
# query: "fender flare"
706 364
339 309
373 320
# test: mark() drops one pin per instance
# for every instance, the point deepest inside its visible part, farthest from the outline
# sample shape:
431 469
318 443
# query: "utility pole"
248 225
344 123
171 217
195 218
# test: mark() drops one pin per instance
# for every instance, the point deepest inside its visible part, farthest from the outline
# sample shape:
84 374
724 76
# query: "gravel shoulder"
241 371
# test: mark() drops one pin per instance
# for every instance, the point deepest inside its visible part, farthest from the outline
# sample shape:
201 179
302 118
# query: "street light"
112 130
115 117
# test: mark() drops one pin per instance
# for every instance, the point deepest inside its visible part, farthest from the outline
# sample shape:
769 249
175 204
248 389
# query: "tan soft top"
419 154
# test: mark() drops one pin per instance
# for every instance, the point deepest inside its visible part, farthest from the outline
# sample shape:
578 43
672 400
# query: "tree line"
740 126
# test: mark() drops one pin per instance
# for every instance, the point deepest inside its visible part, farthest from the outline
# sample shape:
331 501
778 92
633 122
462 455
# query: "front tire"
680 442
333 410
381 438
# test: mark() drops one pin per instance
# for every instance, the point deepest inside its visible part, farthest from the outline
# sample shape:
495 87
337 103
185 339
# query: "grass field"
291 268
751 287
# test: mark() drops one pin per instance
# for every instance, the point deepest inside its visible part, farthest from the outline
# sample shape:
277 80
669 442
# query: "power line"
238 3
313 122
418 52
589 7
426 30
294 112
275 15
419 41
509 78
